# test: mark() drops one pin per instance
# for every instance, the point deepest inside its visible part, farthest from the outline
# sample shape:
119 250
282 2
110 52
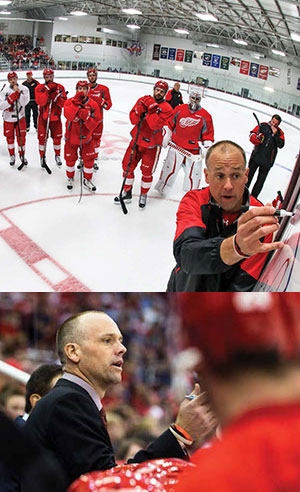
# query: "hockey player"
155 111
191 126
13 101
50 95
83 115
100 93
31 84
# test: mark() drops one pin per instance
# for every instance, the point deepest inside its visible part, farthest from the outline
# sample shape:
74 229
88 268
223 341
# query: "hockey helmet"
48 71
162 85
223 326
29 72
12 75
194 98
82 83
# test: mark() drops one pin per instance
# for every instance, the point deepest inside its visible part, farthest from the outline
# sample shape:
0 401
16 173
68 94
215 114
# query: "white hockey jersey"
10 110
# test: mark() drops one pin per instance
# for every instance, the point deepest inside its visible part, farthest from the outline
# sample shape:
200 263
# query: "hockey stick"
81 160
184 152
121 199
23 163
259 127
45 165
256 119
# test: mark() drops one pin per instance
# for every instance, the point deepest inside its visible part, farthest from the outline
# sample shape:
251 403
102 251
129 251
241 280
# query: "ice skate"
126 195
70 183
58 160
142 201
87 183
12 160
96 167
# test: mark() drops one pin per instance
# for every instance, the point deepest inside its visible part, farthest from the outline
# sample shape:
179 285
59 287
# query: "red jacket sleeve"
208 133
108 103
93 120
70 110
60 101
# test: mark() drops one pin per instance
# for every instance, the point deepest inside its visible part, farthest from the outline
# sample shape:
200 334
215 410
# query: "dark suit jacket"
67 423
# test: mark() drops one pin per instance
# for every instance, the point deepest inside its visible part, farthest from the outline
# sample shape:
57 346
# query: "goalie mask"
195 99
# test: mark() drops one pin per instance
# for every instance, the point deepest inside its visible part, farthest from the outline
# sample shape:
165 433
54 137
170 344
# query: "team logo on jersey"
184 122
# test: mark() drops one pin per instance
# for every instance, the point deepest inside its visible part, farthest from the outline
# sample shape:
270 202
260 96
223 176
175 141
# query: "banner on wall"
172 54
163 52
244 68
253 70
225 62
289 74
275 72
215 62
156 51
235 61
206 59
298 84
263 72
180 55
188 57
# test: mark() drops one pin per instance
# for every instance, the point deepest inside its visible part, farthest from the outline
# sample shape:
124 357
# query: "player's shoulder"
200 196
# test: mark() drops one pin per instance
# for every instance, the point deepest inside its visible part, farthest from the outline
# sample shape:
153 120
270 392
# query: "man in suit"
67 422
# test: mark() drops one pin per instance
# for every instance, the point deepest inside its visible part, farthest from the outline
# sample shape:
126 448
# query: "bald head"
224 147
75 329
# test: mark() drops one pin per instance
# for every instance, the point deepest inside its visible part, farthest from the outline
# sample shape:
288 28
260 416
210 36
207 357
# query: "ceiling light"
132 11
277 52
181 31
205 16
63 18
78 13
5 12
178 67
295 36
213 45
133 26
3 3
269 89
240 41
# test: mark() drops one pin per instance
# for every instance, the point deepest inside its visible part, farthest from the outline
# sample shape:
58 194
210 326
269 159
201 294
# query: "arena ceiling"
263 24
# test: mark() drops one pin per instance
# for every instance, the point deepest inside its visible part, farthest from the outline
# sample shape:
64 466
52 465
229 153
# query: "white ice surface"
93 241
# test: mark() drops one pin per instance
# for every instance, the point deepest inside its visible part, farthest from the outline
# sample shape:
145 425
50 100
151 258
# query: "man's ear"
246 175
34 398
72 351
206 175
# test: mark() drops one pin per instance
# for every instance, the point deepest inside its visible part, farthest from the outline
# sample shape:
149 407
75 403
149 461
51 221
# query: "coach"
68 422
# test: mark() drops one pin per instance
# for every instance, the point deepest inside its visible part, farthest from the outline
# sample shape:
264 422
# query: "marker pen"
283 213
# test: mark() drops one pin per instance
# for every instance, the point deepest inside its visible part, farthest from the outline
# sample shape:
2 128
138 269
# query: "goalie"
190 126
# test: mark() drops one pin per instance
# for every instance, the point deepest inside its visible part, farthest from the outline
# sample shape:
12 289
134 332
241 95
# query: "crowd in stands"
21 54
139 408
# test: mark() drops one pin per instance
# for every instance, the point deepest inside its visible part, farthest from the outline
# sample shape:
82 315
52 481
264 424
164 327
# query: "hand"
51 87
55 94
196 417
78 98
255 224
147 101
274 129
13 97
260 137
84 114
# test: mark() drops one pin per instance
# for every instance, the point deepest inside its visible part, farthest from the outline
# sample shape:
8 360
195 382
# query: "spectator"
13 401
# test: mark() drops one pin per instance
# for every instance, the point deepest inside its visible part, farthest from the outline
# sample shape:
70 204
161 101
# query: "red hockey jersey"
101 95
42 98
258 452
73 122
151 133
189 128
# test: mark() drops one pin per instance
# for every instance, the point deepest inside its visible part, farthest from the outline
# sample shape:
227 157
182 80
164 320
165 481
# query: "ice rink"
51 242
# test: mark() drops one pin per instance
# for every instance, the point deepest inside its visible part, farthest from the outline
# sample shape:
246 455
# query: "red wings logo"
184 122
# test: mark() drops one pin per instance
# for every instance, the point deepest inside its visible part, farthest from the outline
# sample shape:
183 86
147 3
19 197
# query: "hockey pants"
88 156
55 130
97 134
149 158
11 130
171 166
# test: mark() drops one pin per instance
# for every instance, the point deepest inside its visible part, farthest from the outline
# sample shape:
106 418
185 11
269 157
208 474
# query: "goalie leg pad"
169 171
192 174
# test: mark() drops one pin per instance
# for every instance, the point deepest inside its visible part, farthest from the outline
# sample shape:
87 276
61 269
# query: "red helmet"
48 71
29 73
162 84
82 83
92 70
12 75
223 325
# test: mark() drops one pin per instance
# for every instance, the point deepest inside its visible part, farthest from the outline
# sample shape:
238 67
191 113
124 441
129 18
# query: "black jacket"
66 423
31 86
200 232
265 153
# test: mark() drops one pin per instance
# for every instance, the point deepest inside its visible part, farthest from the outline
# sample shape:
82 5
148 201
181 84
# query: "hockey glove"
84 114
13 97
77 99
51 87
